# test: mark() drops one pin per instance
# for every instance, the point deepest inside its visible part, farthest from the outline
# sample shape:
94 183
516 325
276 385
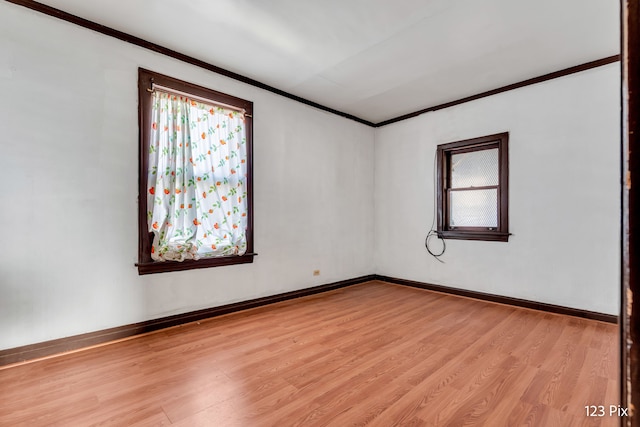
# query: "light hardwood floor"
372 354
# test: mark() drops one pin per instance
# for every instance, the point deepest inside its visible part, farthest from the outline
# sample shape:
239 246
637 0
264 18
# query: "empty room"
279 213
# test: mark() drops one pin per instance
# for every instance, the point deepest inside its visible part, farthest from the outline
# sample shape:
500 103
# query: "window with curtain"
195 176
473 180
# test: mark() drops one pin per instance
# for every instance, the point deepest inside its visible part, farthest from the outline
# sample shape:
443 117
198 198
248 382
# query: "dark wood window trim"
145 264
443 159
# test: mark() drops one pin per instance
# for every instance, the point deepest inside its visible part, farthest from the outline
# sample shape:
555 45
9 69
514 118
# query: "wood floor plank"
373 354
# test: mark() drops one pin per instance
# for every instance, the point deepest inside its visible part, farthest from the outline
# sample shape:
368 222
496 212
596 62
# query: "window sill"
151 267
489 236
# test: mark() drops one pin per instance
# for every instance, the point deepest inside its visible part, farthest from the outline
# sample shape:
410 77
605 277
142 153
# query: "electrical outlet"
316 272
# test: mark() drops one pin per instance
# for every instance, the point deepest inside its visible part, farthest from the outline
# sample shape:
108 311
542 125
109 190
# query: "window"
472 189
195 182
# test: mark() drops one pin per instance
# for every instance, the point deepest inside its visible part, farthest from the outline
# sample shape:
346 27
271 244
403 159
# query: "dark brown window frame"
145 264
443 161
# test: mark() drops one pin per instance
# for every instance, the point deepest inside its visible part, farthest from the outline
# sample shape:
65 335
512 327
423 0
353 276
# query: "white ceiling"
374 59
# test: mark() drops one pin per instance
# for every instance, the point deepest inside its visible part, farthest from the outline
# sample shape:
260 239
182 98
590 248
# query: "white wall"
68 211
69 174
564 194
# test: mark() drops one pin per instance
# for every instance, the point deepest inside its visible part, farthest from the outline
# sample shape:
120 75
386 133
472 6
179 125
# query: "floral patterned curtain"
197 191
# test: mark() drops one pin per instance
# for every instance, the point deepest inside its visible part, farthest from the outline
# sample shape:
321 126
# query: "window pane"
474 169
474 208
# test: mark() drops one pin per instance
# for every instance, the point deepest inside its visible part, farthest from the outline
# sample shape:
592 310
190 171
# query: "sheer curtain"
197 194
